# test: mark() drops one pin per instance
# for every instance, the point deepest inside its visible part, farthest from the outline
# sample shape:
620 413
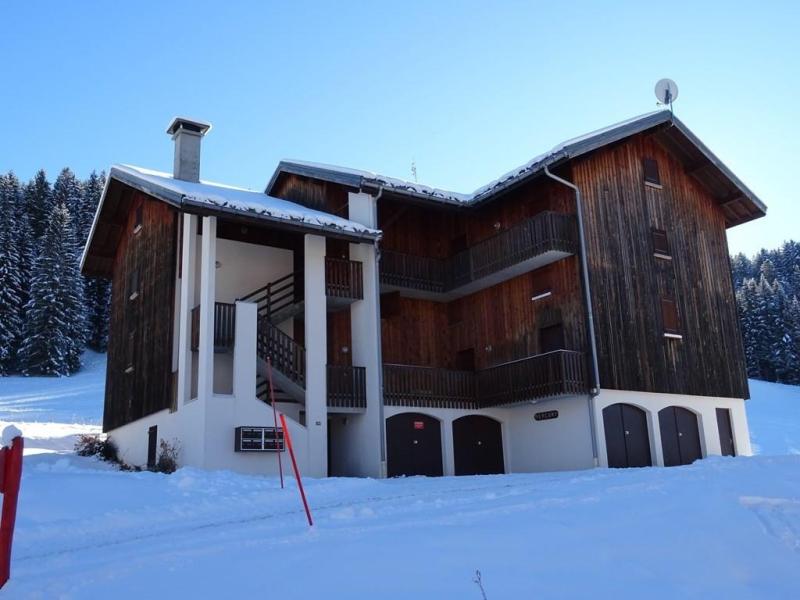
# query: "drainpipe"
587 299
380 350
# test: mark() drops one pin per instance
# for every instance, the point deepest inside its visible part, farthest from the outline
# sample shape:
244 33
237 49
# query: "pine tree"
39 203
53 332
11 282
97 291
68 191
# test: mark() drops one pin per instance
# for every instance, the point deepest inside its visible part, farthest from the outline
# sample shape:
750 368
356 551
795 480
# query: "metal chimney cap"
193 125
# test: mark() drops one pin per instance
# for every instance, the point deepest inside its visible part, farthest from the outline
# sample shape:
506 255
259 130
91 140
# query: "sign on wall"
259 439
546 415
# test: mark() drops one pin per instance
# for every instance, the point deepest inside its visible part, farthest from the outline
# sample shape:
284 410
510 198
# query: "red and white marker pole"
288 438
10 477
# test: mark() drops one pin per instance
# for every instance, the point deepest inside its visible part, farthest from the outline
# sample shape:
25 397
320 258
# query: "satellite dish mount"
666 92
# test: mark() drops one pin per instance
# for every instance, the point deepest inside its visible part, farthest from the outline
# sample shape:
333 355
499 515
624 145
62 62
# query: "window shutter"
660 242
651 172
669 315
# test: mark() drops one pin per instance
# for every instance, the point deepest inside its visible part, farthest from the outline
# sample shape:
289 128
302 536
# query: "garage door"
414 445
477 446
680 436
627 440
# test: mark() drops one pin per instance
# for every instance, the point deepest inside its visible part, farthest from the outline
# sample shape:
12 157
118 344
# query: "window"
542 287
669 317
133 284
661 244
129 352
137 220
551 338
651 176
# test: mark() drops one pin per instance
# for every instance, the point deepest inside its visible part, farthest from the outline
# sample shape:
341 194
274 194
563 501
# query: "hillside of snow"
723 527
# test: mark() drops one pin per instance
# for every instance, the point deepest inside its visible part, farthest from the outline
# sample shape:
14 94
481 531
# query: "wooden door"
152 446
627 440
414 445
680 436
725 432
477 446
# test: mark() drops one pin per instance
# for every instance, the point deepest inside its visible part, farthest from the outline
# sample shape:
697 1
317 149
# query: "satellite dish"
667 91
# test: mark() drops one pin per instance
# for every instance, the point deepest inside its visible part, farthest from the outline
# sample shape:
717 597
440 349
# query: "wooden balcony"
347 388
545 238
224 326
550 375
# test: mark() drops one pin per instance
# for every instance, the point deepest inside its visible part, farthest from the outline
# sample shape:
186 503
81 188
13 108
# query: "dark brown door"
152 443
414 445
477 446
551 338
725 432
627 440
680 436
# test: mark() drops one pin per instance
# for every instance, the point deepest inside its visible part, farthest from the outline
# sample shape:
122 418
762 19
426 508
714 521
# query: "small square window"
651 176
660 244
669 317
133 284
137 220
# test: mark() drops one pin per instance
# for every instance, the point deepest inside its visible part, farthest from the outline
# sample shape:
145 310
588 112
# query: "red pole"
296 471
11 476
275 417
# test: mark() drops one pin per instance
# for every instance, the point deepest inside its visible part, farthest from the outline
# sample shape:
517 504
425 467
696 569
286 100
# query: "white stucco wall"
703 406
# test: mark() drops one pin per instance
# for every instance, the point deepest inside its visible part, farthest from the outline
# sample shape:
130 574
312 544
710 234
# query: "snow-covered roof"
235 199
571 148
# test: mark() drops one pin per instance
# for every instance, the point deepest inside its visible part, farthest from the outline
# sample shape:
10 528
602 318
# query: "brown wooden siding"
140 330
628 281
320 195
500 323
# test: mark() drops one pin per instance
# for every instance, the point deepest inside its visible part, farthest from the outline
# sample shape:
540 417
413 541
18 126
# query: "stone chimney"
187 135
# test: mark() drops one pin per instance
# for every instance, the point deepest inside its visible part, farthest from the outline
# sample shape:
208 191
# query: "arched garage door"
627 440
477 445
414 445
680 436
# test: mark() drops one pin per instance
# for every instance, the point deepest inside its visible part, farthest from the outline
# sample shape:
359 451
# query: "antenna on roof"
414 170
666 92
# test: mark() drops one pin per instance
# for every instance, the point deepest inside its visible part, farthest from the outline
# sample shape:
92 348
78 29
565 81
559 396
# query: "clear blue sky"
467 89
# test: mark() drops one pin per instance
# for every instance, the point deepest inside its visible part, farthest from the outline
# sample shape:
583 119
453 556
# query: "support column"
187 303
316 343
244 351
208 271
365 332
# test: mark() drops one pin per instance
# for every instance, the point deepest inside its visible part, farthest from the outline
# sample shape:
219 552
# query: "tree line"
767 291
49 312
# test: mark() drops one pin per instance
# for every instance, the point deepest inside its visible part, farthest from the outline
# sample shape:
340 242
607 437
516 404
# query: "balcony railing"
347 387
553 374
224 326
547 231
344 278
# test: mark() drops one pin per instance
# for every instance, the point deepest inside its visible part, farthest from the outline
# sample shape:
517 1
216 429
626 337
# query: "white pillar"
316 343
448 449
187 303
365 334
244 351
208 270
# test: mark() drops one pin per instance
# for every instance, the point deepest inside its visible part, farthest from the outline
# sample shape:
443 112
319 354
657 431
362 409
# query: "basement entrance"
477 446
680 437
414 445
627 440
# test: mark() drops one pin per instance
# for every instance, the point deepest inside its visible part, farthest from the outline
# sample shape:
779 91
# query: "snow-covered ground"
721 528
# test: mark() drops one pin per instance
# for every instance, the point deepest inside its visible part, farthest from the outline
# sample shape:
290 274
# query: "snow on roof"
237 199
410 187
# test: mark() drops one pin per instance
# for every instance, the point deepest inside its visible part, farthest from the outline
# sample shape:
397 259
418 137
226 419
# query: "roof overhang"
737 201
114 207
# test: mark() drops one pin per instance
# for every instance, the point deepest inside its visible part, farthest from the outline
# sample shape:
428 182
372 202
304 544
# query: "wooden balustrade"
224 326
344 278
557 373
409 385
287 356
547 231
347 387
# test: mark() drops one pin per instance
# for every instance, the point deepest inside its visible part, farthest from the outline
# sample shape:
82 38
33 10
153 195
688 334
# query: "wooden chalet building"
578 311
